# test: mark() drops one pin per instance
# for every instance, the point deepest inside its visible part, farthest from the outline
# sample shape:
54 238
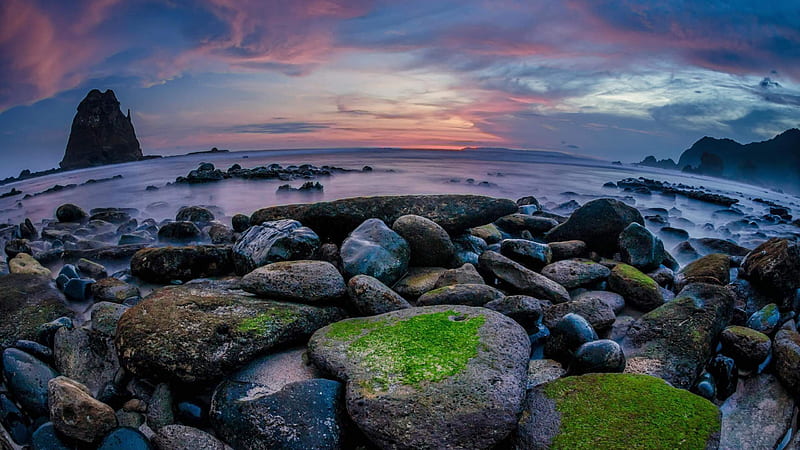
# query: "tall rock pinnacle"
101 134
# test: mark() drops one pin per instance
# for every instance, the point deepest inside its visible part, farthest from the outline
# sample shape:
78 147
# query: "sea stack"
100 134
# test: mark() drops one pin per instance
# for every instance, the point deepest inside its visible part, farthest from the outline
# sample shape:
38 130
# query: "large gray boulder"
598 223
374 249
269 242
296 281
459 386
675 340
202 331
336 219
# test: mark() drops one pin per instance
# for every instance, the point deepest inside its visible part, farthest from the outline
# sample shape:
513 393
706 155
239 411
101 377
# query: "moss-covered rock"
202 331
675 340
488 233
639 290
26 264
714 269
26 302
746 346
439 376
616 411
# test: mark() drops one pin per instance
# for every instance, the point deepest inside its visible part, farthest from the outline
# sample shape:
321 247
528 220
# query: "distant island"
774 163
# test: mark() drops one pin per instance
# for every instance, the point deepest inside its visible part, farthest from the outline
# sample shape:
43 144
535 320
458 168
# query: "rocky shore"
418 321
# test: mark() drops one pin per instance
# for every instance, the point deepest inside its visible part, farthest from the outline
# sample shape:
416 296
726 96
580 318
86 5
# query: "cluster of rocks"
447 321
647 186
206 172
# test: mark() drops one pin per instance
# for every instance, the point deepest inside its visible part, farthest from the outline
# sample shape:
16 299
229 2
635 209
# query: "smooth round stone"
599 356
240 223
705 387
125 439
639 290
179 232
429 243
525 310
280 240
27 378
765 319
36 349
746 346
160 409
725 373
296 281
374 249
46 438
70 213
370 297
567 336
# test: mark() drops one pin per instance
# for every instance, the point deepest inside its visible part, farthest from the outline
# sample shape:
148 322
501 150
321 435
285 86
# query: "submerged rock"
616 411
336 219
460 387
202 331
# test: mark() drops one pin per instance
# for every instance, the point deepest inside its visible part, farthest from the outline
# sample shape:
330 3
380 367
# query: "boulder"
714 269
26 378
88 358
616 411
25 264
114 290
640 248
26 302
530 254
659 344
429 243
202 331
165 264
181 437
747 347
370 297
196 214
375 250
75 413
460 294
460 387
270 242
100 134
757 415
179 232
600 356
786 350
70 213
301 414
296 281
639 290
336 219
520 279
598 223
574 273
773 267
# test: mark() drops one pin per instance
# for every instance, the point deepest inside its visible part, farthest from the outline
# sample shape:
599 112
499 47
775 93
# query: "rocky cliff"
101 134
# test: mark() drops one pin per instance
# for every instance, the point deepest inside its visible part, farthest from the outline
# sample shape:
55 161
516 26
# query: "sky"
616 80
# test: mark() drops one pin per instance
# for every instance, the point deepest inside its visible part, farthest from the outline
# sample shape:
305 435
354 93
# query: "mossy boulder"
26 302
674 341
429 377
773 268
165 264
336 219
26 264
488 233
598 223
639 290
616 411
199 332
714 269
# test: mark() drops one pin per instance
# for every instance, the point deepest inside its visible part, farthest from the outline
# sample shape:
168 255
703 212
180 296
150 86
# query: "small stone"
599 356
725 374
568 250
714 269
418 281
70 213
615 301
598 313
530 254
280 240
181 232
370 297
135 405
640 248
75 413
113 290
525 310
87 357
163 265
466 274
197 214
78 289
105 316
46 438
429 243
92 269
160 412
240 223
522 280
567 336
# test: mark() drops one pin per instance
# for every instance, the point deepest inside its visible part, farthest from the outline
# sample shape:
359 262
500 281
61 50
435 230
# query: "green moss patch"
631 412
423 348
633 274
266 322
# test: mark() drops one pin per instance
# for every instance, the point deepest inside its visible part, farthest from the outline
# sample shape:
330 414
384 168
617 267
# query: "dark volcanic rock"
460 294
162 265
368 296
202 331
336 219
70 213
430 244
27 378
374 249
27 301
296 281
271 242
100 134
674 340
774 267
521 279
598 223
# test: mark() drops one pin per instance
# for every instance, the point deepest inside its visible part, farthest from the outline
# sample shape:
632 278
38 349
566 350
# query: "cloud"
279 127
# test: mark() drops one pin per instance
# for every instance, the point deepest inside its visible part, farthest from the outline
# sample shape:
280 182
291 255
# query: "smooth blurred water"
512 174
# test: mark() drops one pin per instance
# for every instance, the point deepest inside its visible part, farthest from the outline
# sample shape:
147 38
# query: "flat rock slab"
616 411
336 219
429 377
203 331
